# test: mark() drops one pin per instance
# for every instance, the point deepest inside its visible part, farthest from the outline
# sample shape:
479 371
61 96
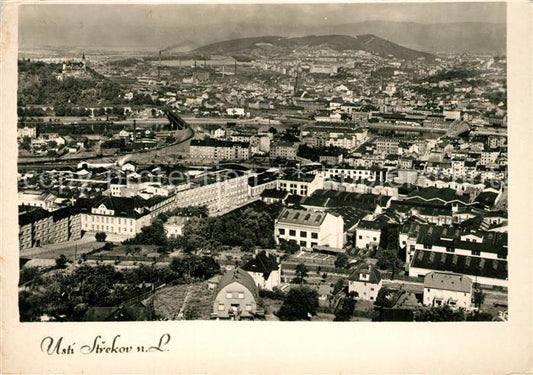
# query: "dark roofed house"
265 270
274 196
236 296
365 279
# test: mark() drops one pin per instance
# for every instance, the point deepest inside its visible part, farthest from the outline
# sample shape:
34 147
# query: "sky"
159 26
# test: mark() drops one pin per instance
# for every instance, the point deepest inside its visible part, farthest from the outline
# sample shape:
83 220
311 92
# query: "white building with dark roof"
265 270
310 228
446 288
366 281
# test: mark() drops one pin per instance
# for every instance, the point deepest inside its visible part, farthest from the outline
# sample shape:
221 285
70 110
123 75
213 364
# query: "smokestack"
205 63
134 130
195 64
235 68
159 66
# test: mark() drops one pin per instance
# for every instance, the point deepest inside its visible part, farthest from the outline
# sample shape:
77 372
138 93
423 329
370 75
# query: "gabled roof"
302 217
240 276
374 277
262 263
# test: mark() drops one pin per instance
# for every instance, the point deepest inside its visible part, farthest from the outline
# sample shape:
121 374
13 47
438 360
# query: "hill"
270 45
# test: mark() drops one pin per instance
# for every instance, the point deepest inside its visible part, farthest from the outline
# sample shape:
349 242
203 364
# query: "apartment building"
300 184
215 149
309 228
38 227
220 190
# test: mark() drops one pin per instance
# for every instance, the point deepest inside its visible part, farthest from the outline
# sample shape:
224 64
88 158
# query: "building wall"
329 233
255 191
301 187
234 294
218 196
47 231
274 279
366 237
366 291
432 296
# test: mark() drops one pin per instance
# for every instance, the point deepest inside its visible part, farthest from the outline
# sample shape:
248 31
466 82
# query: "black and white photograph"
265 162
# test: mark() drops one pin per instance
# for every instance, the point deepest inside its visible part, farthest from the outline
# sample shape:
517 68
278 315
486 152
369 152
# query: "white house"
367 234
265 270
446 288
309 228
366 281
174 226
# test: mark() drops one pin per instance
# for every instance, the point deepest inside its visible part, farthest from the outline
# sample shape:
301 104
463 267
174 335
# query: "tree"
389 260
346 307
290 247
100 236
477 316
440 314
341 261
301 274
479 298
301 303
62 262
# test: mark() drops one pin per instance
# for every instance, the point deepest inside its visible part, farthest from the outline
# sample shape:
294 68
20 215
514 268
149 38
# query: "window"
303 234
360 237
241 295
292 232
450 250
371 289
429 290
229 295
303 243
220 307
313 244
281 231
374 238
476 252
427 247
314 235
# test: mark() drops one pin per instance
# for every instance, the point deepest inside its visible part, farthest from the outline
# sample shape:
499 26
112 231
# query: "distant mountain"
470 37
272 45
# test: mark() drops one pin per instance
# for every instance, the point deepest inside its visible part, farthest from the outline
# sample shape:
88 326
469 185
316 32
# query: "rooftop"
448 281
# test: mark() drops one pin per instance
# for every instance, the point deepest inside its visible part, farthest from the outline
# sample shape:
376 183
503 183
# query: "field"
183 302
